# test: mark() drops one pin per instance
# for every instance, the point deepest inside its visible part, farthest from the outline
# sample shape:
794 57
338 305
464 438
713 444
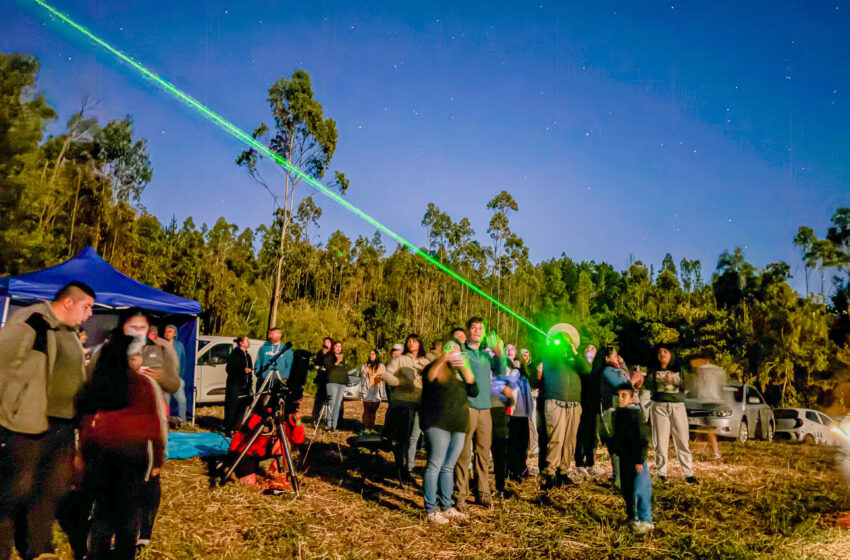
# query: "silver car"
352 388
805 425
739 413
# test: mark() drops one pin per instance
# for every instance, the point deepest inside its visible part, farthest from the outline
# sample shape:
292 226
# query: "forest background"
59 194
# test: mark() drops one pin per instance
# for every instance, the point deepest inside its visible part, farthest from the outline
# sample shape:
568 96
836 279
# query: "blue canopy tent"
114 291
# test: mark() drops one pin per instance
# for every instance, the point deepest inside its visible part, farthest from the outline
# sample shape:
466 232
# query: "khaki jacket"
27 356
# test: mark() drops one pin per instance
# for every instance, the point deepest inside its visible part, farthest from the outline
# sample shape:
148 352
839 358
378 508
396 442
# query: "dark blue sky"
619 127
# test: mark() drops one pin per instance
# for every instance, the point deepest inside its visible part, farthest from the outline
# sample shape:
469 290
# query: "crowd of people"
83 433
472 400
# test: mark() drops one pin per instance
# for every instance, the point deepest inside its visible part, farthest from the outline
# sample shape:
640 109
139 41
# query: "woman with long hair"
240 369
609 369
669 416
444 415
372 390
337 380
404 373
123 436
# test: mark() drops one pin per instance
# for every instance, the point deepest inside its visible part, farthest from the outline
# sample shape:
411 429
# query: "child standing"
631 443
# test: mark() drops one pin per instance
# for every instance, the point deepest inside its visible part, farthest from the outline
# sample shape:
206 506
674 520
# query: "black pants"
499 446
517 446
586 438
542 436
398 427
35 472
115 479
236 400
321 396
151 495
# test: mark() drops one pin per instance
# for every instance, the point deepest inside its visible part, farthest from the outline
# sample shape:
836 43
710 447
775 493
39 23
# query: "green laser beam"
252 142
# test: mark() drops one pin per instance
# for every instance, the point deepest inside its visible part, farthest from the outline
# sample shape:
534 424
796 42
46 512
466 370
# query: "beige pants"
561 427
671 419
480 434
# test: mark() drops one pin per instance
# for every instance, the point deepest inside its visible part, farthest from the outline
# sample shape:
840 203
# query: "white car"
352 388
210 364
805 425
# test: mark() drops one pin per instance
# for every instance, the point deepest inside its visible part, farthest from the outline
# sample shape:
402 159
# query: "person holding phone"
444 416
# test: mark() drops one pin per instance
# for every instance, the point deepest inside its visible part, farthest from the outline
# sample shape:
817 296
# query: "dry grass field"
763 500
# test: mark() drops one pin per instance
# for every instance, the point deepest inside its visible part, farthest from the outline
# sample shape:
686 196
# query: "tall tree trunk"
74 216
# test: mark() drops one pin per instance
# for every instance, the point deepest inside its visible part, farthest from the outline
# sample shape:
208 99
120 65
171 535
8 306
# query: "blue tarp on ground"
183 445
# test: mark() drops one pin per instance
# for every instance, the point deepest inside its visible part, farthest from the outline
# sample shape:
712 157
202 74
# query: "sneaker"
437 518
462 507
643 527
453 514
596 471
691 480
484 501
581 473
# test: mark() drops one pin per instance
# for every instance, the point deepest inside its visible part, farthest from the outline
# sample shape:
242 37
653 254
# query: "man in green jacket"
41 371
562 367
486 358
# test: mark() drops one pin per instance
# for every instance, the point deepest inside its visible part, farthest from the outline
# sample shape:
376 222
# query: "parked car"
741 414
352 388
210 363
805 425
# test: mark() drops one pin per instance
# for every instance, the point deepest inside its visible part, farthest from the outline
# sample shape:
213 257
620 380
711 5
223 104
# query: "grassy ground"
763 500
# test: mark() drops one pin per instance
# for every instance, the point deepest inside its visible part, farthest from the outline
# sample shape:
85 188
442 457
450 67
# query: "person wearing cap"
563 367
170 334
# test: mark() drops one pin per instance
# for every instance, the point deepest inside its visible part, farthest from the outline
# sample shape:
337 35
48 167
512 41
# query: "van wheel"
744 431
809 439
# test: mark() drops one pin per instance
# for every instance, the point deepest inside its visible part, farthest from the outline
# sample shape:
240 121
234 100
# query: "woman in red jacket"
123 436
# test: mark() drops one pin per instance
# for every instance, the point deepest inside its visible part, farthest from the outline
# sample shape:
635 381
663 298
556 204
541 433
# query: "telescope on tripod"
266 416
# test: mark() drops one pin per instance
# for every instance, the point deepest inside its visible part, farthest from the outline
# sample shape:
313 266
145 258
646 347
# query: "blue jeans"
414 442
179 396
444 448
637 492
335 391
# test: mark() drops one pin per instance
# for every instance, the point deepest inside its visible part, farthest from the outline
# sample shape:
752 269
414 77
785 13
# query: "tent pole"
195 369
5 310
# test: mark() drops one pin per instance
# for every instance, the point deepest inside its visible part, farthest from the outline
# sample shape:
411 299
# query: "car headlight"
721 412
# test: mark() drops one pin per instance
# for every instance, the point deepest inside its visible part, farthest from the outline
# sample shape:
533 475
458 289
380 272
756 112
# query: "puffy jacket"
28 344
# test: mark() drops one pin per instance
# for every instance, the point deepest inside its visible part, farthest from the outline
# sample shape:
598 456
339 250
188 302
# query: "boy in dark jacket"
630 443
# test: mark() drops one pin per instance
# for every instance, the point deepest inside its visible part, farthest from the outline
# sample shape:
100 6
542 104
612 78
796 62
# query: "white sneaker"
597 471
643 527
452 514
437 518
583 472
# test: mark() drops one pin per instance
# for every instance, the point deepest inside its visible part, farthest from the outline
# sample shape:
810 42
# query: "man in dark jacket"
41 371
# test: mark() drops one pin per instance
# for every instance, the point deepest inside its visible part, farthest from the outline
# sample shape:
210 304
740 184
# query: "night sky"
621 128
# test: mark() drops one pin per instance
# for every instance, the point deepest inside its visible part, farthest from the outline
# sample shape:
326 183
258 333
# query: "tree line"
84 187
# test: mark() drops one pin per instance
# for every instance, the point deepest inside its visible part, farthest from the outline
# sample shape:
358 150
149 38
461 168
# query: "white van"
210 364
